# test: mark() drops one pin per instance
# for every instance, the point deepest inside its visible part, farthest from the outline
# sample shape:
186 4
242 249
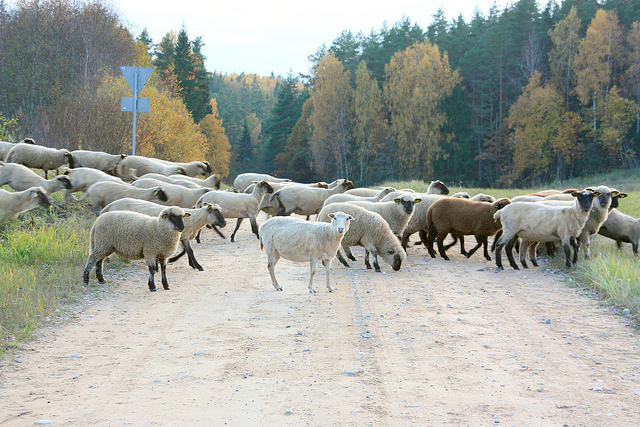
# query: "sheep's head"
266 186
585 198
70 159
501 203
179 171
42 196
393 254
29 141
174 215
437 187
215 215
407 202
347 185
160 194
64 181
615 196
340 221
207 167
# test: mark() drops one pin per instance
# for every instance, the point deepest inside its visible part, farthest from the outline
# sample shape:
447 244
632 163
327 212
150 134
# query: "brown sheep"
462 217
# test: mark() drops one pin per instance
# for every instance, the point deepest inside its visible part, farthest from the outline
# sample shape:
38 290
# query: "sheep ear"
319 185
34 195
350 217
397 200
596 194
622 195
164 216
418 200
186 215
331 215
209 207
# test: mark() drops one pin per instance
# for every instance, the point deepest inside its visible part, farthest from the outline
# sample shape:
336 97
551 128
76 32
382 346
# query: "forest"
515 97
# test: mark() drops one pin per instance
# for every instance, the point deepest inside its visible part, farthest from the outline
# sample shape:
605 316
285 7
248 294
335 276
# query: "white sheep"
239 205
529 199
437 187
298 240
622 228
344 197
213 181
206 215
5 147
191 169
105 192
39 157
20 178
13 204
133 235
542 223
271 207
97 160
83 178
306 200
397 212
244 180
177 195
370 231
132 167
418 221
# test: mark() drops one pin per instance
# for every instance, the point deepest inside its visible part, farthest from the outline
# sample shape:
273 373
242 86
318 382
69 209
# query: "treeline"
518 96
60 83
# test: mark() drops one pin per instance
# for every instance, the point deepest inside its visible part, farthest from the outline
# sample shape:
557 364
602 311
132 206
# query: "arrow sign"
131 74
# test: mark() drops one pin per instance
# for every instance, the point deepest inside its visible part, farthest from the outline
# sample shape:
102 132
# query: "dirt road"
437 343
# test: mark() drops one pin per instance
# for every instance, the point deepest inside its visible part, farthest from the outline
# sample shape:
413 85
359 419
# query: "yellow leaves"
218 148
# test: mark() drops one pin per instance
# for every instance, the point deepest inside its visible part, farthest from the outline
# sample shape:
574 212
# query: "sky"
265 36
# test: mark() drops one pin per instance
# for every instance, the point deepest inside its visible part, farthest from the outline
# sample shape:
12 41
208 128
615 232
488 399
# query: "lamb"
97 160
133 166
103 193
343 197
462 217
191 169
244 180
206 215
135 236
21 178
39 157
83 178
177 195
622 228
239 205
5 147
13 204
305 200
369 230
298 240
541 223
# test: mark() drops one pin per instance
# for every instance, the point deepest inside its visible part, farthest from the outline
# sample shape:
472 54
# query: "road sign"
136 77
126 104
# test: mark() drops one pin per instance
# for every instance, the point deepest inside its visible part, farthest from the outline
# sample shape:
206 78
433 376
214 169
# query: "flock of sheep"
148 207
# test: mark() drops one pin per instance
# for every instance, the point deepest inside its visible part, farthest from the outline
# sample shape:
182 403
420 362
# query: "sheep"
177 195
97 160
133 166
461 195
369 230
136 236
305 200
5 147
481 197
103 193
239 205
213 181
244 180
191 169
437 187
397 213
83 178
462 217
541 223
271 207
13 204
206 215
298 240
39 157
169 180
527 198
20 178
622 228
343 197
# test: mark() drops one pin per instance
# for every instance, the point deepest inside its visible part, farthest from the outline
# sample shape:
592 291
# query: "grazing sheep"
20 178
239 205
462 217
39 157
298 240
5 147
541 223
132 167
83 178
622 228
103 193
191 169
133 235
306 200
437 187
177 195
344 197
206 215
370 231
13 204
244 180
97 160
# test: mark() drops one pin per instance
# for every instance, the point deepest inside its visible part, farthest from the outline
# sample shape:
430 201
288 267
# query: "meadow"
42 255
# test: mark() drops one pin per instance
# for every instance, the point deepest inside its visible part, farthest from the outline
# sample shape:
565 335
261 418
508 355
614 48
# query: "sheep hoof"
378 270
199 268
152 289
166 288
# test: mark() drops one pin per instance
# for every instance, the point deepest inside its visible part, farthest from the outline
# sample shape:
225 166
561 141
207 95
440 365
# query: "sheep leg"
575 243
441 237
341 258
186 248
509 250
452 244
423 237
462 251
431 236
272 259
348 253
313 264
254 226
567 253
634 246
532 254
238 222
366 259
405 240
525 246
495 240
198 236
479 242
99 272
376 266
152 271
163 268
327 269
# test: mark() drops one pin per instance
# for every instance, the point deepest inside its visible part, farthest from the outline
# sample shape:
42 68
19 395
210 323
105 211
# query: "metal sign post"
136 77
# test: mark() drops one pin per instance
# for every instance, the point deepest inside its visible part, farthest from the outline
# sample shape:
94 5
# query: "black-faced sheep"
177 195
370 231
622 228
298 240
344 197
103 193
13 204
20 178
39 157
132 167
306 200
462 217
135 236
83 178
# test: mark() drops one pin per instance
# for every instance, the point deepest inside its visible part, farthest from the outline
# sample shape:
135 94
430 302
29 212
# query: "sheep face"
268 188
69 157
40 194
175 218
394 257
407 202
439 186
215 215
160 194
208 169
616 197
585 198
501 203
340 222
64 181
